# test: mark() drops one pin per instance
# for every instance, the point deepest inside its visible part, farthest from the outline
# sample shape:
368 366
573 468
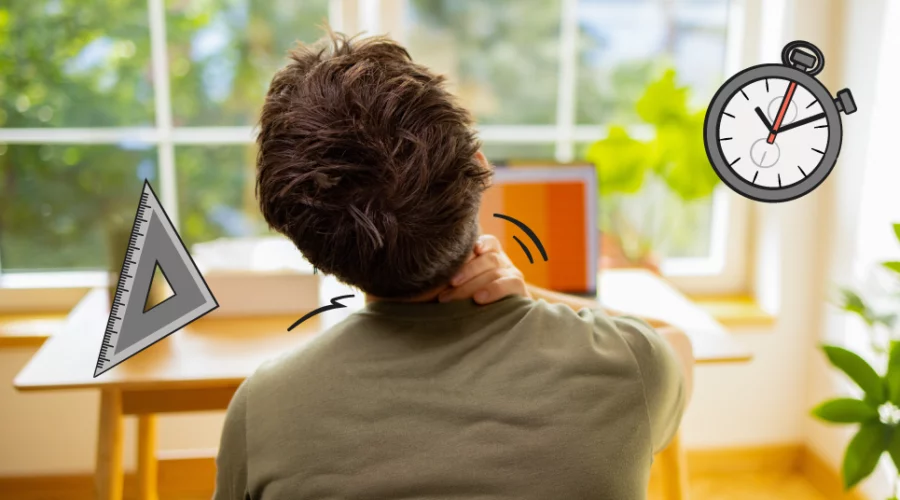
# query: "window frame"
723 271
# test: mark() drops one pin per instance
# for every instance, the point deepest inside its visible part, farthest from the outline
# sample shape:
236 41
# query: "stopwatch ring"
795 59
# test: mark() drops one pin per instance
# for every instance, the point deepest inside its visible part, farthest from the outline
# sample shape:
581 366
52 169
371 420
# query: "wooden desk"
200 367
29 330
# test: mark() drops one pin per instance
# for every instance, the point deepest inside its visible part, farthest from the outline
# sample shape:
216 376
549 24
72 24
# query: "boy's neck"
429 296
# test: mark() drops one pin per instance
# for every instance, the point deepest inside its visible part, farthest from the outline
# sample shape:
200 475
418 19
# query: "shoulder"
620 341
315 353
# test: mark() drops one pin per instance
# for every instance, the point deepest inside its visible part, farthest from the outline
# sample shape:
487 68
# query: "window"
99 97
546 77
167 92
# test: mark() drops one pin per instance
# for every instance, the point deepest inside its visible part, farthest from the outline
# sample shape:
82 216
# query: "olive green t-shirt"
519 399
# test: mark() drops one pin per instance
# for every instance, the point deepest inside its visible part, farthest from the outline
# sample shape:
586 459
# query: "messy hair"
368 164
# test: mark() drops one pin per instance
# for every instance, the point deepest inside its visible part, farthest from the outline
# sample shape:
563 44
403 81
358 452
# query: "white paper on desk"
257 276
261 254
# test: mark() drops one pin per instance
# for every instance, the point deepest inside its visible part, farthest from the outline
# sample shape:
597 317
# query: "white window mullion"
565 102
138 135
213 135
368 17
336 15
162 97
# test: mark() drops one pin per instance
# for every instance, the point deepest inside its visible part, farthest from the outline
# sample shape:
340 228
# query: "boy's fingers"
471 286
476 266
498 289
487 243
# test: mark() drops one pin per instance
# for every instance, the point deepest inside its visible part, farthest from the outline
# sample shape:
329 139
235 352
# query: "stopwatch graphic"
773 132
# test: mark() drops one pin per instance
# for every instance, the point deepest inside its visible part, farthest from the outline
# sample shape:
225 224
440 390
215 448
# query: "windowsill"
735 311
29 330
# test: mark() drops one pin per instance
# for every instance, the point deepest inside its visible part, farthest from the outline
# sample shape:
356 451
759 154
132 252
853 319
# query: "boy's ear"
479 156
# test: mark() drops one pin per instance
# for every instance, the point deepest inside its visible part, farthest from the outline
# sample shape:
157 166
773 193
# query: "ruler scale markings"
153 243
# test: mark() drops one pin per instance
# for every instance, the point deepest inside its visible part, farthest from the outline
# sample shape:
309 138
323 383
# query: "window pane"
501 56
216 195
624 44
223 54
655 215
67 63
63 207
690 227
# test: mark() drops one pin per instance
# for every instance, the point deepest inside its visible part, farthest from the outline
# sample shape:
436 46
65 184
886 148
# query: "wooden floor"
736 486
751 486
743 486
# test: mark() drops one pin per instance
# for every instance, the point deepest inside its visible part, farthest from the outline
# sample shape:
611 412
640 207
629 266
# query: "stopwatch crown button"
803 59
845 102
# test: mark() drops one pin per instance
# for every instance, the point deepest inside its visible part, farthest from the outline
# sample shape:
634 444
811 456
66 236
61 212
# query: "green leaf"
680 158
663 101
845 411
864 451
897 231
894 448
859 371
893 266
853 303
892 375
620 160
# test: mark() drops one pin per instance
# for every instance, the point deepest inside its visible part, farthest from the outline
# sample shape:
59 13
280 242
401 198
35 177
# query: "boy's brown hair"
368 165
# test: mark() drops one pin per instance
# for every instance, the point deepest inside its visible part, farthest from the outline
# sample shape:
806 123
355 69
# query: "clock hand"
765 120
785 102
800 123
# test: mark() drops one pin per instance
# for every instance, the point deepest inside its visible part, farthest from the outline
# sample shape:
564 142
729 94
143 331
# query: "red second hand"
781 112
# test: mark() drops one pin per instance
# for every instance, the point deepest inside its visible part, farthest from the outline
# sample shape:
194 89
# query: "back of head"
368 165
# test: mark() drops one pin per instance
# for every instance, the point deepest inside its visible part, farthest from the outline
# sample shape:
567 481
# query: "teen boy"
457 379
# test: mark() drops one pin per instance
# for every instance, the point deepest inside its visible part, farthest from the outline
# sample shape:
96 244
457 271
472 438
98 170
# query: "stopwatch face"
772 133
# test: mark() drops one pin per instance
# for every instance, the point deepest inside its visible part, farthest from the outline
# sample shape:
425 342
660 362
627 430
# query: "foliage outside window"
77 71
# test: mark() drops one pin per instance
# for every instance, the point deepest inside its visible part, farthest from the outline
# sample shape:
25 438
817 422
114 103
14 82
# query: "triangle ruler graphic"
153 243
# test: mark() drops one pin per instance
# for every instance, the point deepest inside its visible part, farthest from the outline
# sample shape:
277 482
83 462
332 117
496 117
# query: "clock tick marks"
792 79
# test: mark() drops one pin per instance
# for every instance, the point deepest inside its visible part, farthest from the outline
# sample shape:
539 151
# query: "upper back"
517 399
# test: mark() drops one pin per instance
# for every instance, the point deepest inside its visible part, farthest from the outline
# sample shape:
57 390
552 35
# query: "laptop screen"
545 218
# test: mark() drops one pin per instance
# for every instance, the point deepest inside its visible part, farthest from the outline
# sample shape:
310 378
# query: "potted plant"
641 180
877 412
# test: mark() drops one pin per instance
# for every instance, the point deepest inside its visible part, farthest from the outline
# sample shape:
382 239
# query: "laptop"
546 219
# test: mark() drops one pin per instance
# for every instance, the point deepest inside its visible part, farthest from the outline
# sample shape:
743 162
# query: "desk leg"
673 469
147 465
109 476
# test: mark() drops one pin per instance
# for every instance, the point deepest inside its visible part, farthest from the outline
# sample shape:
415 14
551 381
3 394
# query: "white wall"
861 204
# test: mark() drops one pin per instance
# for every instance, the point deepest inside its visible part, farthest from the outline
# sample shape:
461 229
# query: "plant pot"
612 256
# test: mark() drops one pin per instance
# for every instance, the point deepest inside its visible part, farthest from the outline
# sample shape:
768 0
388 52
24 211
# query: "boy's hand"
488 277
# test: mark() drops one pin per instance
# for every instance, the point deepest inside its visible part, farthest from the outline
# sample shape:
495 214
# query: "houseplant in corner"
641 181
877 412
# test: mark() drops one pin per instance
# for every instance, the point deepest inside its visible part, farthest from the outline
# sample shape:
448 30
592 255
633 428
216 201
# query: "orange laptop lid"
558 205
